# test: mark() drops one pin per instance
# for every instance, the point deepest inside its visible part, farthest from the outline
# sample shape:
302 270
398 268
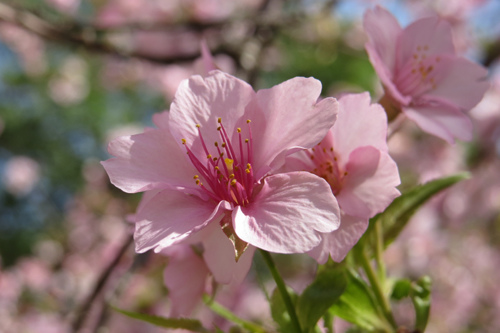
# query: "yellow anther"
216 168
196 177
345 173
198 182
335 159
249 166
233 182
248 121
229 163
218 128
215 159
219 120
238 130
216 144
247 170
209 156
324 150
246 140
331 148
231 176
183 141
312 157
198 125
221 154
223 145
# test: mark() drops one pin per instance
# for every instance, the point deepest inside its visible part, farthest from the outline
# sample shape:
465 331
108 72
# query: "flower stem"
283 291
390 107
328 322
377 288
379 251
227 314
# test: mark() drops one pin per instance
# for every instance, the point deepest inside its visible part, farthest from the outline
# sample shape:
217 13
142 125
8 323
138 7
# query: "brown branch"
90 37
82 312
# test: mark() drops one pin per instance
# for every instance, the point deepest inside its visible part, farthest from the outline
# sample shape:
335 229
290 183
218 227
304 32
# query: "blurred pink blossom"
422 75
21 175
65 6
29 47
353 158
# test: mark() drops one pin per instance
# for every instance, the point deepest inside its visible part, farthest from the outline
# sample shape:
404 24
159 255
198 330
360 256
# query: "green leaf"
421 298
192 325
319 296
279 311
356 305
397 215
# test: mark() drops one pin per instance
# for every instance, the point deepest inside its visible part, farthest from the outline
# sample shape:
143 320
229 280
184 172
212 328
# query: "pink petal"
464 85
171 216
370 184
147 161
220 258
207 59
442 120
430 36
338 243
162 120
288 213
386 76
185 277
299 161
359 123
383 30
202 101
293 120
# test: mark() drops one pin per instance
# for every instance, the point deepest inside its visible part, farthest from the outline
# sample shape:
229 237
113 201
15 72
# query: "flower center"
326 166
419 74
226 173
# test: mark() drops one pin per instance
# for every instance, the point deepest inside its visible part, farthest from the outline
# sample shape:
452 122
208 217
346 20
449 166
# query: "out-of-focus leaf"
192 325
319 296
356 305
401 289
421 298
397 215
279 311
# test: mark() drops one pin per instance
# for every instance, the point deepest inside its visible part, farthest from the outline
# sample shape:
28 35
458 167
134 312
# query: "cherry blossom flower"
422 75
353 158
209 168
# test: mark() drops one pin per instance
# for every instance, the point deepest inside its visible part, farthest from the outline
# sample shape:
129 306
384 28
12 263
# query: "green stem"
283 292
227 314
328 322
377 288
379 251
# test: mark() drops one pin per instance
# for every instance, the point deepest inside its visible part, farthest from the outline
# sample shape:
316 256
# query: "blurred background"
77 73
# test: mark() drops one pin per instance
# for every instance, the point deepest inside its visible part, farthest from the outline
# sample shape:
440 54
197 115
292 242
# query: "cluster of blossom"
229 170
318 171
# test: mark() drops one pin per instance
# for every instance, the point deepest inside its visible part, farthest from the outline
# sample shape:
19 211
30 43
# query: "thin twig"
82 312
